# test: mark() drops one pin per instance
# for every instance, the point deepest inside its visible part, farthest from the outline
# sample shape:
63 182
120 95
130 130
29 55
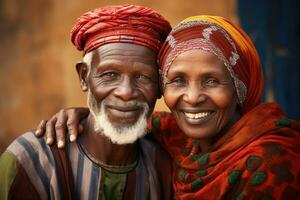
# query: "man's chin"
121 133
123 125
126 132
124 141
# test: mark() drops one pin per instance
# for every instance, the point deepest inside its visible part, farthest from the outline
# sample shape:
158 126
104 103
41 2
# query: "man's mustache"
121 103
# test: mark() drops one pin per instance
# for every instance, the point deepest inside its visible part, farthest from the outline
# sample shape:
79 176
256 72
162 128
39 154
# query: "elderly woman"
224 142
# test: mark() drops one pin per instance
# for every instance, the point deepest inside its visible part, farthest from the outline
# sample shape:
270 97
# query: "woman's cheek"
171 96
222 98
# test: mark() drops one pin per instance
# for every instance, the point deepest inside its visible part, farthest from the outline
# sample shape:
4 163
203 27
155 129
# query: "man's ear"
82 71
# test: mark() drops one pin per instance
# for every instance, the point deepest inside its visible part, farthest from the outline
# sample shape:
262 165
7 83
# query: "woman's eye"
177 81
211 82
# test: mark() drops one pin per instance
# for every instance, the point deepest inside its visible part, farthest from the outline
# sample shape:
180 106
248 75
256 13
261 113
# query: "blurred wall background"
37 74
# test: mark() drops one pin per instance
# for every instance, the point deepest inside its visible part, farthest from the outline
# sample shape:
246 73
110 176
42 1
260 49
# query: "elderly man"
109 161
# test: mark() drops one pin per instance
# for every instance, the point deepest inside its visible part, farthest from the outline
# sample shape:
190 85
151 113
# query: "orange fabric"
248 67
258 157
123 23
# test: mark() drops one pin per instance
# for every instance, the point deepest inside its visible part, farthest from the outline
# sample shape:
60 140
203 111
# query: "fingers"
61 128
72 125
64 122
75 115
40 130
49 136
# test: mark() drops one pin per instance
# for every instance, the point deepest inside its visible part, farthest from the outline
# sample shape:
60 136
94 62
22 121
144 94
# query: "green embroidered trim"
163 114
234 176
258 178
203 159
195 156
240 197
181 175
197 184
195 143
283 122
177 165
156 122
253 162
201 173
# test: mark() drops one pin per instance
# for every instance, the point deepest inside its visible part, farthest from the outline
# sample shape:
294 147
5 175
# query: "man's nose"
194 94
126 89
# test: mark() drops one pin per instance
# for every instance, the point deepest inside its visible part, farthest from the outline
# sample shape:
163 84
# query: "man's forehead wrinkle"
114 52
118 50
95 58
123 54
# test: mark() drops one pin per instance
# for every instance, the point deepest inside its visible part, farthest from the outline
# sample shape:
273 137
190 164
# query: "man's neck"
103 150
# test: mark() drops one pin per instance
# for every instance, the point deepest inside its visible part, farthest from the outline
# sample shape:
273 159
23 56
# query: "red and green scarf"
258 158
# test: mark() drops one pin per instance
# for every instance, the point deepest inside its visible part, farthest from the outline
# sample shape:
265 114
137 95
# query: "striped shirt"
36 158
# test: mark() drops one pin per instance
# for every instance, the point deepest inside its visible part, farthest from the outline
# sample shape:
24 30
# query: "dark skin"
118 72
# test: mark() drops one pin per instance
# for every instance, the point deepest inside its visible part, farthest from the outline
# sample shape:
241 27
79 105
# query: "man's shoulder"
27 147
38 161
36 158
27 140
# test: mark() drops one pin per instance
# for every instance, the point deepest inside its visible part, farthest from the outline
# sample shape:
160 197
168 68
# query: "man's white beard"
124 134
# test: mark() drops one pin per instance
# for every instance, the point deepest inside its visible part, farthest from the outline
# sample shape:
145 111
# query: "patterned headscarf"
229 43
123 23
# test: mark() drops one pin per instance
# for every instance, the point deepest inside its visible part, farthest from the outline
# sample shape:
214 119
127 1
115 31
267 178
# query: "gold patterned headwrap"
228 42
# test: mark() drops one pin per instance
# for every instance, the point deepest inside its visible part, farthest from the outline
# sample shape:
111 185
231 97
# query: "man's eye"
142 78
109 76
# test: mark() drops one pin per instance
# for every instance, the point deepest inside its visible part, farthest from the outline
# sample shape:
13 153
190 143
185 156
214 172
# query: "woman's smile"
196 118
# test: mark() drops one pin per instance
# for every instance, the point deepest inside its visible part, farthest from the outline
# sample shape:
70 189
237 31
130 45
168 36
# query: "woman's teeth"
196 115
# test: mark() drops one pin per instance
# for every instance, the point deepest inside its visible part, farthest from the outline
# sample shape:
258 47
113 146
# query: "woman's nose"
194 94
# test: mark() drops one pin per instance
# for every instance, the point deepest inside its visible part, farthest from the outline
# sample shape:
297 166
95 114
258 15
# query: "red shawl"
257 158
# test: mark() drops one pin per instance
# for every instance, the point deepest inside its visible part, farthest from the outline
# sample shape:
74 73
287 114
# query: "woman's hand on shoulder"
63 123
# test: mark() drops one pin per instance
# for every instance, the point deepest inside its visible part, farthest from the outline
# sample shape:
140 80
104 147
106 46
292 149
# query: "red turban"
123 23
229 43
